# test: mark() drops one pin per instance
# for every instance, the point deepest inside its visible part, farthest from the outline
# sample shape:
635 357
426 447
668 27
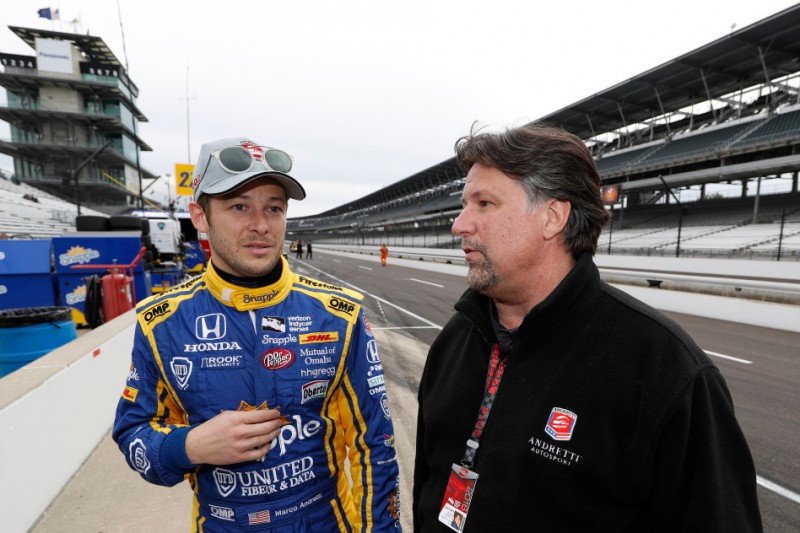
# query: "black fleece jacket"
654 446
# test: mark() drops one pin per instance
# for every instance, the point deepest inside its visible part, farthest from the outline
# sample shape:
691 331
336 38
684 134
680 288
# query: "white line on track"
730 358
406 311
365 268
399 327
769 485
774 487
427 282
337 260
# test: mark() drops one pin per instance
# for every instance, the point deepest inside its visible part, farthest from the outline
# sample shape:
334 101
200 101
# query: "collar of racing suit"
244 298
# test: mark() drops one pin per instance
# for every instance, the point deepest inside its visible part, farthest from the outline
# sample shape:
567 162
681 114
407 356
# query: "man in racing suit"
256 383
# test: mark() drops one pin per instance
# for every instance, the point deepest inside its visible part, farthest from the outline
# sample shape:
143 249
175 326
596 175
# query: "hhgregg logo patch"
277 359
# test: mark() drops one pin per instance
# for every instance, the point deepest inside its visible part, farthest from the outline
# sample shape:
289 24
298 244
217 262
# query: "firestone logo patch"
561 424
277 359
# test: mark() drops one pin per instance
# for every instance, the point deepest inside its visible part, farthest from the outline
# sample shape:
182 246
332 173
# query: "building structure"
725 113
74 120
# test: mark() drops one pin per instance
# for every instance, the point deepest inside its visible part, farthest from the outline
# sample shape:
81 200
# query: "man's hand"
233 437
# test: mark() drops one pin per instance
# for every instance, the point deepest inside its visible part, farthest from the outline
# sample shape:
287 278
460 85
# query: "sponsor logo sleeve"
146 413
369 432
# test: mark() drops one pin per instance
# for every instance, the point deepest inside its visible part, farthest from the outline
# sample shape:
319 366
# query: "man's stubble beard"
242 268
482 275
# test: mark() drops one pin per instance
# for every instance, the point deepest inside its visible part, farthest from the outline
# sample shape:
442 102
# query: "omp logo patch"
322 336
156 311
223 513
341 305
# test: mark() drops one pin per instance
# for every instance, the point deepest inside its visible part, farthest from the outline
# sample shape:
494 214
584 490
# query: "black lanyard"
493 376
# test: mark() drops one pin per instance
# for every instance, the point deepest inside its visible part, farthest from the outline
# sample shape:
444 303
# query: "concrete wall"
53 413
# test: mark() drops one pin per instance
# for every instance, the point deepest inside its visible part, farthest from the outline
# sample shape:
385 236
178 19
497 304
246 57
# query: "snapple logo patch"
277 359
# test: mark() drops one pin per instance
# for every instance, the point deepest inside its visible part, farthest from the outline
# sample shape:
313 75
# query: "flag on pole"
49 14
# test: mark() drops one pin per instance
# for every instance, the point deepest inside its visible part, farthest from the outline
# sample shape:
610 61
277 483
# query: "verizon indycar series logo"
276 324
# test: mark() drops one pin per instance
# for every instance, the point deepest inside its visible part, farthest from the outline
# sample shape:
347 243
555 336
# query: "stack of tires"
120 223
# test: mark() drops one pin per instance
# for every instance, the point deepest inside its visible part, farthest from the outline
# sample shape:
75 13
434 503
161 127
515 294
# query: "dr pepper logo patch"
561 424
277 359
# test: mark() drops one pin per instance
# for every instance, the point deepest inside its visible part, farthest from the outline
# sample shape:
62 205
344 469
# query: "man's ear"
198 217
557 214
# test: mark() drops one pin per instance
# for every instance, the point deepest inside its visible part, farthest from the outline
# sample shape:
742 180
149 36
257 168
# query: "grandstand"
724 117
30 213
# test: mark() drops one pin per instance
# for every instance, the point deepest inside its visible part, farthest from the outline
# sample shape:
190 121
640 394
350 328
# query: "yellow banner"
183 178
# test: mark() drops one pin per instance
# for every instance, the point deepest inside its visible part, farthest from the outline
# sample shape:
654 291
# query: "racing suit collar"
244 298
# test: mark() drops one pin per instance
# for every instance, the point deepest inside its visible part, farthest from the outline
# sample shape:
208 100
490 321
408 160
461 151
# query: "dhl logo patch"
130 394
320 336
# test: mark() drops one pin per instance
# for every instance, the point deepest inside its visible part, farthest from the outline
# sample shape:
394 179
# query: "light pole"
680 215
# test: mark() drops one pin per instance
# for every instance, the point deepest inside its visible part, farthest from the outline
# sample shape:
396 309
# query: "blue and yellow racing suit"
300 345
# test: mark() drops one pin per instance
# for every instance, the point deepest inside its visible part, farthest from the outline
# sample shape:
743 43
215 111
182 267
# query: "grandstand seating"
700 143
617 161
780 126
695 144
29 213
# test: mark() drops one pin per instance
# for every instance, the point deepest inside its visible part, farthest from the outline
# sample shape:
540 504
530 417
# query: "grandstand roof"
755 54
440 174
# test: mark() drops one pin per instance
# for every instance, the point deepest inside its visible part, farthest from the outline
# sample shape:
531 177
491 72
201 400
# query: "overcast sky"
366 93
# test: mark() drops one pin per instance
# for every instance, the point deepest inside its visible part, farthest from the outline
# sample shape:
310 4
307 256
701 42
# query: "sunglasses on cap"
238 159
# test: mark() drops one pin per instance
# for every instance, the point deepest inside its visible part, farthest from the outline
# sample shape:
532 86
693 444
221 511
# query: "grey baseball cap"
226 164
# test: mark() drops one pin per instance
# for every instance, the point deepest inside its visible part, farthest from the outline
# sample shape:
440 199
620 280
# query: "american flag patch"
261 517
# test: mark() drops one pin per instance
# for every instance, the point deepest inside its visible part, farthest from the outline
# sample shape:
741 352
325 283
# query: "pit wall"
53 413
